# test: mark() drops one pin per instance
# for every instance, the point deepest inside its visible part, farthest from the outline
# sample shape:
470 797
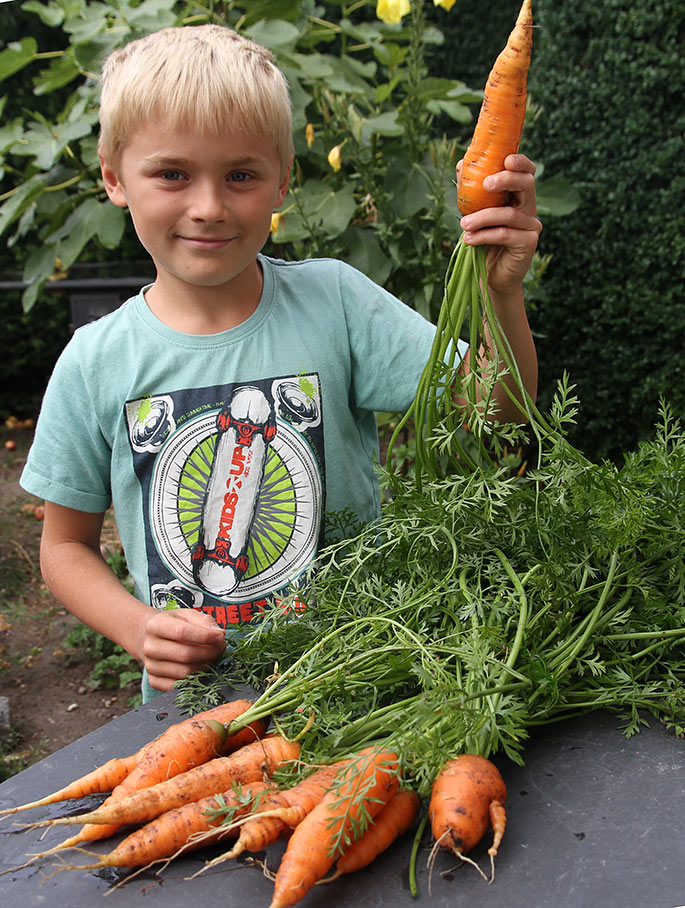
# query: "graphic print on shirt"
233 491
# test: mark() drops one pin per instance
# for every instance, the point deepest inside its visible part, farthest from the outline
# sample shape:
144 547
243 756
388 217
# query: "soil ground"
52 700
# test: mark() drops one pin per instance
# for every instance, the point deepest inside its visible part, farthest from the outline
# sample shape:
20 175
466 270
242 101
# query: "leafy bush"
358 86
608 77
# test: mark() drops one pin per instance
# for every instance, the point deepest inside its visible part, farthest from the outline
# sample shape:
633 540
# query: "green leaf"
40 264
90 55
50 14
61 71
337 210
17 203
11 134
454 110
407 188
91 219
557 197
16 56
274 33
88 22
365 254
45 143
384 124
151 15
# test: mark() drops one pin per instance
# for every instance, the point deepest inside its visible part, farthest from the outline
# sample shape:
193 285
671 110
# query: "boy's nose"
208 203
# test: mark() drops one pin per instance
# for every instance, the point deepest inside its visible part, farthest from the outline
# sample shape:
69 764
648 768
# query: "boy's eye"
239 177
173 176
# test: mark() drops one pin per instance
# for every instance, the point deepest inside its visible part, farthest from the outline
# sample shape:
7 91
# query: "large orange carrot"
249 764
183 829
500 122
363 787
468 795
394 820
181 747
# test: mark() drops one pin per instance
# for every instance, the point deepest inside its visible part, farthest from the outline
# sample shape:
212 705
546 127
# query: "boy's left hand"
511 231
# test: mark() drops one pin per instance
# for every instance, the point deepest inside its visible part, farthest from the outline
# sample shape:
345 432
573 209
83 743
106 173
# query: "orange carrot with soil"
500 121
182 829
396 818
361 790
468 795
249 764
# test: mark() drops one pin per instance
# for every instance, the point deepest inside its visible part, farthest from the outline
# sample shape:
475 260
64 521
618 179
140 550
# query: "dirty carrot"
468 795
359 793
182 829
396 818
249 764
180 748
500 121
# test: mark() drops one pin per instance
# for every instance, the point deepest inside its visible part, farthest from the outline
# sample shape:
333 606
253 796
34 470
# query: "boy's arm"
511 232
170 644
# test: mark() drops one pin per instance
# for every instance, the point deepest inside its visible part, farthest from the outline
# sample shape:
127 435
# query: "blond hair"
195 77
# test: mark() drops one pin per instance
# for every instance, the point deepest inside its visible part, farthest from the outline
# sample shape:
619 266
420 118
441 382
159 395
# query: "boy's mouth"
206 242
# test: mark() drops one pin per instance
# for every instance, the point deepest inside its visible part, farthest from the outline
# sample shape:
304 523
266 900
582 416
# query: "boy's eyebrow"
175 161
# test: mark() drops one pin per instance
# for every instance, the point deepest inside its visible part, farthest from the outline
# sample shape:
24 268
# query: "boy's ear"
113 186
283 188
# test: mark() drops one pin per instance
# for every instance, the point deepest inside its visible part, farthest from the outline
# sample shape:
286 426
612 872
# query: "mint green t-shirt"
226 456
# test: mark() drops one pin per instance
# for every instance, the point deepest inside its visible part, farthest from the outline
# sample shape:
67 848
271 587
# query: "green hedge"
609 78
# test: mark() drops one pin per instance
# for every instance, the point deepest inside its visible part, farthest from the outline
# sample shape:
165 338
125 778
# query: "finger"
184 626
508 217
519 162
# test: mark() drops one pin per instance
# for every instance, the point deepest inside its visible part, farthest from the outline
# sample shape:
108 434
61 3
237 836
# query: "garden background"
382 113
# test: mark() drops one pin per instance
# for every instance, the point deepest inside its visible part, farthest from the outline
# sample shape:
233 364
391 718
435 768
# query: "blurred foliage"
608 79
377 134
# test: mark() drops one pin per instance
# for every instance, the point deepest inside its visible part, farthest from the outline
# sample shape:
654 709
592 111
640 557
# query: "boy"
230 405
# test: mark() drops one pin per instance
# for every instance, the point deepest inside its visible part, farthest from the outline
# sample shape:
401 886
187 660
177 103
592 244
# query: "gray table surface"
595 820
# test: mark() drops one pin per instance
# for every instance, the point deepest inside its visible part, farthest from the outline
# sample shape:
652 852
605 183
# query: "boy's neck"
193 309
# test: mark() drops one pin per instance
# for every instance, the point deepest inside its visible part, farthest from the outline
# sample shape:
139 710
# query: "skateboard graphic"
245 426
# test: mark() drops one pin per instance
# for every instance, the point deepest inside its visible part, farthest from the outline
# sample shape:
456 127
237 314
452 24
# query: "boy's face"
201 205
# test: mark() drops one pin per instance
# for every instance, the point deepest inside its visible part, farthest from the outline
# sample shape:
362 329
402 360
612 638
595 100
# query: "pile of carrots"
194 786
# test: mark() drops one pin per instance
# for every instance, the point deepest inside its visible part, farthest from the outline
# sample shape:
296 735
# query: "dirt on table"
47 684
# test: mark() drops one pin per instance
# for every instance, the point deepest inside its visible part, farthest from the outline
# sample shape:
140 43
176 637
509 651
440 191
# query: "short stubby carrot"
396 818
363 786
500 121
251 763
183 829
468 795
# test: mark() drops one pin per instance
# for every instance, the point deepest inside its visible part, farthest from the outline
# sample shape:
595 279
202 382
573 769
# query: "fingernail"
466 222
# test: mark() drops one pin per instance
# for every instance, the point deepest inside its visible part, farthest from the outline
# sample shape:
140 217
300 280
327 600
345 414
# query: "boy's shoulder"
334 274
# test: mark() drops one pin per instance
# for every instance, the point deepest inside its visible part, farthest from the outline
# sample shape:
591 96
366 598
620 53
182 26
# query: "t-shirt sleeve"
69 461
390 344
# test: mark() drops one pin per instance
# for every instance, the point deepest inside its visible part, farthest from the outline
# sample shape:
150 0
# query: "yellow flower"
391 11
335 157
275 221
309 134
445 4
